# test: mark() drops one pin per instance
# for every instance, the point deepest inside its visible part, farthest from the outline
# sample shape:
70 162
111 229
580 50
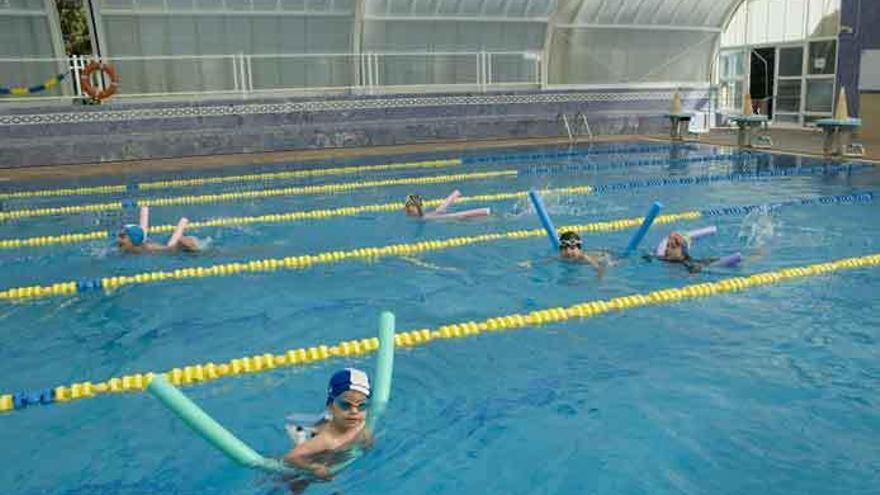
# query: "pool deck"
785 140
790 141
121 168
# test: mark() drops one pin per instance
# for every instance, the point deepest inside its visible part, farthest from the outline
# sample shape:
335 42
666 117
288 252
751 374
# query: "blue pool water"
770 390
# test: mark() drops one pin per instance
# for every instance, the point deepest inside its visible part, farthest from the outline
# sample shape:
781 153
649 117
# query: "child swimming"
338 433
570 249
414 207
132 238
677 252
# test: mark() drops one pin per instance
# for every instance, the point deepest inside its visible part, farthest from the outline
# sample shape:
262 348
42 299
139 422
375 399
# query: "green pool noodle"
240 452
381 385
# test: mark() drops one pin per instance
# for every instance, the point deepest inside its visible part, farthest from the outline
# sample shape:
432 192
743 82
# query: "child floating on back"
675 248
414 207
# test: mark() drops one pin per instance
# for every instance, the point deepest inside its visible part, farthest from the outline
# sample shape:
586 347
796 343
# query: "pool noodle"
693 235
696 234
240 452
145 219
382 385
448 201
643 229
476 212
209 429
545 218
730 260
178 231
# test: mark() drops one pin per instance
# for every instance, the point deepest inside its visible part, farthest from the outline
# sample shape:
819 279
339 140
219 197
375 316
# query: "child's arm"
302 454
592 260
367 439
144 219
178 232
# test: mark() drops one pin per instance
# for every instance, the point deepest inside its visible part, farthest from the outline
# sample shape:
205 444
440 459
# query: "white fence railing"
249 75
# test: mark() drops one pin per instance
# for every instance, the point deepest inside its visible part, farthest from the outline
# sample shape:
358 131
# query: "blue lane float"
734 177
230 445
545 219
50 83
592 166
643 229
856 197
605 150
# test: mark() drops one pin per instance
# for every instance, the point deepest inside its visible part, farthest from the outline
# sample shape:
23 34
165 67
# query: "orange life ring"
85 80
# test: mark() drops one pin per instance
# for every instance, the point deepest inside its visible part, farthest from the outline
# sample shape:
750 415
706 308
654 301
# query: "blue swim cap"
348 379
135 233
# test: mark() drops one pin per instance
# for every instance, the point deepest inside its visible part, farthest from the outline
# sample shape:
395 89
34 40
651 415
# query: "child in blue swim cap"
132 238
342 429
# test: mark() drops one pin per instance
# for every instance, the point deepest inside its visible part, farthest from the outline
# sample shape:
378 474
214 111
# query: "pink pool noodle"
731 260
458 215
447 202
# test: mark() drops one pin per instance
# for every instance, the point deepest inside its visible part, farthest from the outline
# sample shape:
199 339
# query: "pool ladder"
573 131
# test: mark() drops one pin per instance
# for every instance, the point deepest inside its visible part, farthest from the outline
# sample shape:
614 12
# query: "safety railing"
245 75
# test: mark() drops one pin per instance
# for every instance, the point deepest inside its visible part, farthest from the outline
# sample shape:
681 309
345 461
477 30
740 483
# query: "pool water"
770 390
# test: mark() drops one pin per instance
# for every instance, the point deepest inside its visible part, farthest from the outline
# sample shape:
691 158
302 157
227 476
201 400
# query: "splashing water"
757 229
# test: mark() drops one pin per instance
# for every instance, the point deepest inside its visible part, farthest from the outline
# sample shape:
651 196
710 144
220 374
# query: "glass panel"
735 33
150 5
786 119
732 65
205 5
776 26
794 20
730 95
757 21
820 95
823 19
822 57
788 97
791 61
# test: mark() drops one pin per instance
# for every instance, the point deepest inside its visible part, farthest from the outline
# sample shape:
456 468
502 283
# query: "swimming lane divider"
248 195
224 179
203 373
132 201
318 172
298 190
303 262
285 217
605 150
593 166
132 187
76 237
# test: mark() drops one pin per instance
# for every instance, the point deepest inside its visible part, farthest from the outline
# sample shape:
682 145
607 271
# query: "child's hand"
322 472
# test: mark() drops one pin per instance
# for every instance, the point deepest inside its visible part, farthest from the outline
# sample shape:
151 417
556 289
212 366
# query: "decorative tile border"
222 110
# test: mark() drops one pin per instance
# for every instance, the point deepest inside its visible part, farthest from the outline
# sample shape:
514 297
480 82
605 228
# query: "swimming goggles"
345 405
570 244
